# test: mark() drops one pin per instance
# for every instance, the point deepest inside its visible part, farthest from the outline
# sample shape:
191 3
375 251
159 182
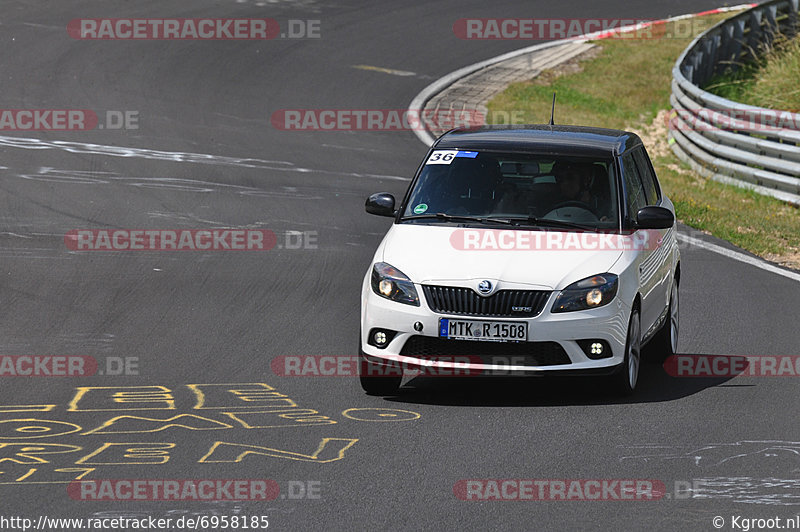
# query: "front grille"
464 301
516 353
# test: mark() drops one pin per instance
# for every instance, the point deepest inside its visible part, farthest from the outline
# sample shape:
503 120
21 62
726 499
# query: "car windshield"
558 190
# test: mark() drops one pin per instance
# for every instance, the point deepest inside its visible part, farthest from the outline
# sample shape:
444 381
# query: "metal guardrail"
727 141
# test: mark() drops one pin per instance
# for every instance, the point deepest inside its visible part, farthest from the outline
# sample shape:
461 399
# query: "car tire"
625 380
665 342
378 379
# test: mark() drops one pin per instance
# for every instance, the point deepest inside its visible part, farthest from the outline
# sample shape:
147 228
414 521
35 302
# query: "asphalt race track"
199 330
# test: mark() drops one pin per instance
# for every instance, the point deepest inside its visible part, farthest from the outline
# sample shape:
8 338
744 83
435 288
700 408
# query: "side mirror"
380 204
654 217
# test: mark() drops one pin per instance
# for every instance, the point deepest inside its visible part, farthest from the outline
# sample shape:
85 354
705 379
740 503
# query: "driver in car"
574 180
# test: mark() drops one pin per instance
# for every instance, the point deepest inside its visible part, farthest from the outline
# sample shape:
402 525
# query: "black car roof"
578 140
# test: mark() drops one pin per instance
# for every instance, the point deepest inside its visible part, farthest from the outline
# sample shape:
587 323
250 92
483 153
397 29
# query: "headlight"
591 292
391 283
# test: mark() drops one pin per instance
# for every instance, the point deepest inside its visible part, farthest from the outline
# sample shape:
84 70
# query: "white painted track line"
741 257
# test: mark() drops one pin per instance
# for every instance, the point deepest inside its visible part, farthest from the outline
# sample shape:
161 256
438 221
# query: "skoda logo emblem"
485 287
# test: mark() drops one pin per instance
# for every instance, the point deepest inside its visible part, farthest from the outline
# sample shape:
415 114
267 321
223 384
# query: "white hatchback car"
523 250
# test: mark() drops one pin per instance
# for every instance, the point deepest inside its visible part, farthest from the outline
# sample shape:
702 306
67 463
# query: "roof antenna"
553 110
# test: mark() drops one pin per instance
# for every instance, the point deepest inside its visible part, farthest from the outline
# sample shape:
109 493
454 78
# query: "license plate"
491 331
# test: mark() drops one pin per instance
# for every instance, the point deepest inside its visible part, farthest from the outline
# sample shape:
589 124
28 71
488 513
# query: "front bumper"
552 346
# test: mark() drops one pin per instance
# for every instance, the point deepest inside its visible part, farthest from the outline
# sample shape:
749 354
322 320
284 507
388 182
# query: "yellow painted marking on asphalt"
38 482
44 428
390 71
228 396
161 395
7 409
272 419
30 472
27 452
371 414
335 447
82 470
150 453
253 405
163 424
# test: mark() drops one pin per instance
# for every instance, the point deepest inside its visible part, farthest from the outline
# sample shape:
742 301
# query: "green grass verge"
771 82
625 86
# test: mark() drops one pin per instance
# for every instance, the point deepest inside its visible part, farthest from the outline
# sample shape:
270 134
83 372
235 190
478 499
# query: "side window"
646 173
635 196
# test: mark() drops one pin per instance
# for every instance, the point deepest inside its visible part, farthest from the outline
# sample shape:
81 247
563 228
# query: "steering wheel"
575 203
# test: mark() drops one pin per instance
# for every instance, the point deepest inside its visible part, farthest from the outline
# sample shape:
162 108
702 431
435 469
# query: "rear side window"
634 191
647 176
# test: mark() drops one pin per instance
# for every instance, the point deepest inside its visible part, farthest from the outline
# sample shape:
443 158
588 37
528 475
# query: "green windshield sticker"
419 209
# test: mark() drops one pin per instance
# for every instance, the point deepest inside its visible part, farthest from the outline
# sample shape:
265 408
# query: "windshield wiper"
548 222
457 218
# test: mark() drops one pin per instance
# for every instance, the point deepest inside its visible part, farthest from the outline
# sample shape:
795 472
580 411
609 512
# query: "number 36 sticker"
447 156
442 157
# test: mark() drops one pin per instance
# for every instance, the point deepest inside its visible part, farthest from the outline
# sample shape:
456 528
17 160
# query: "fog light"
418 326
596 348
380 338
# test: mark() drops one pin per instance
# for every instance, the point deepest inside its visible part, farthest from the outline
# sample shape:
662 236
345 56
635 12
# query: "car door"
661 255
646 262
